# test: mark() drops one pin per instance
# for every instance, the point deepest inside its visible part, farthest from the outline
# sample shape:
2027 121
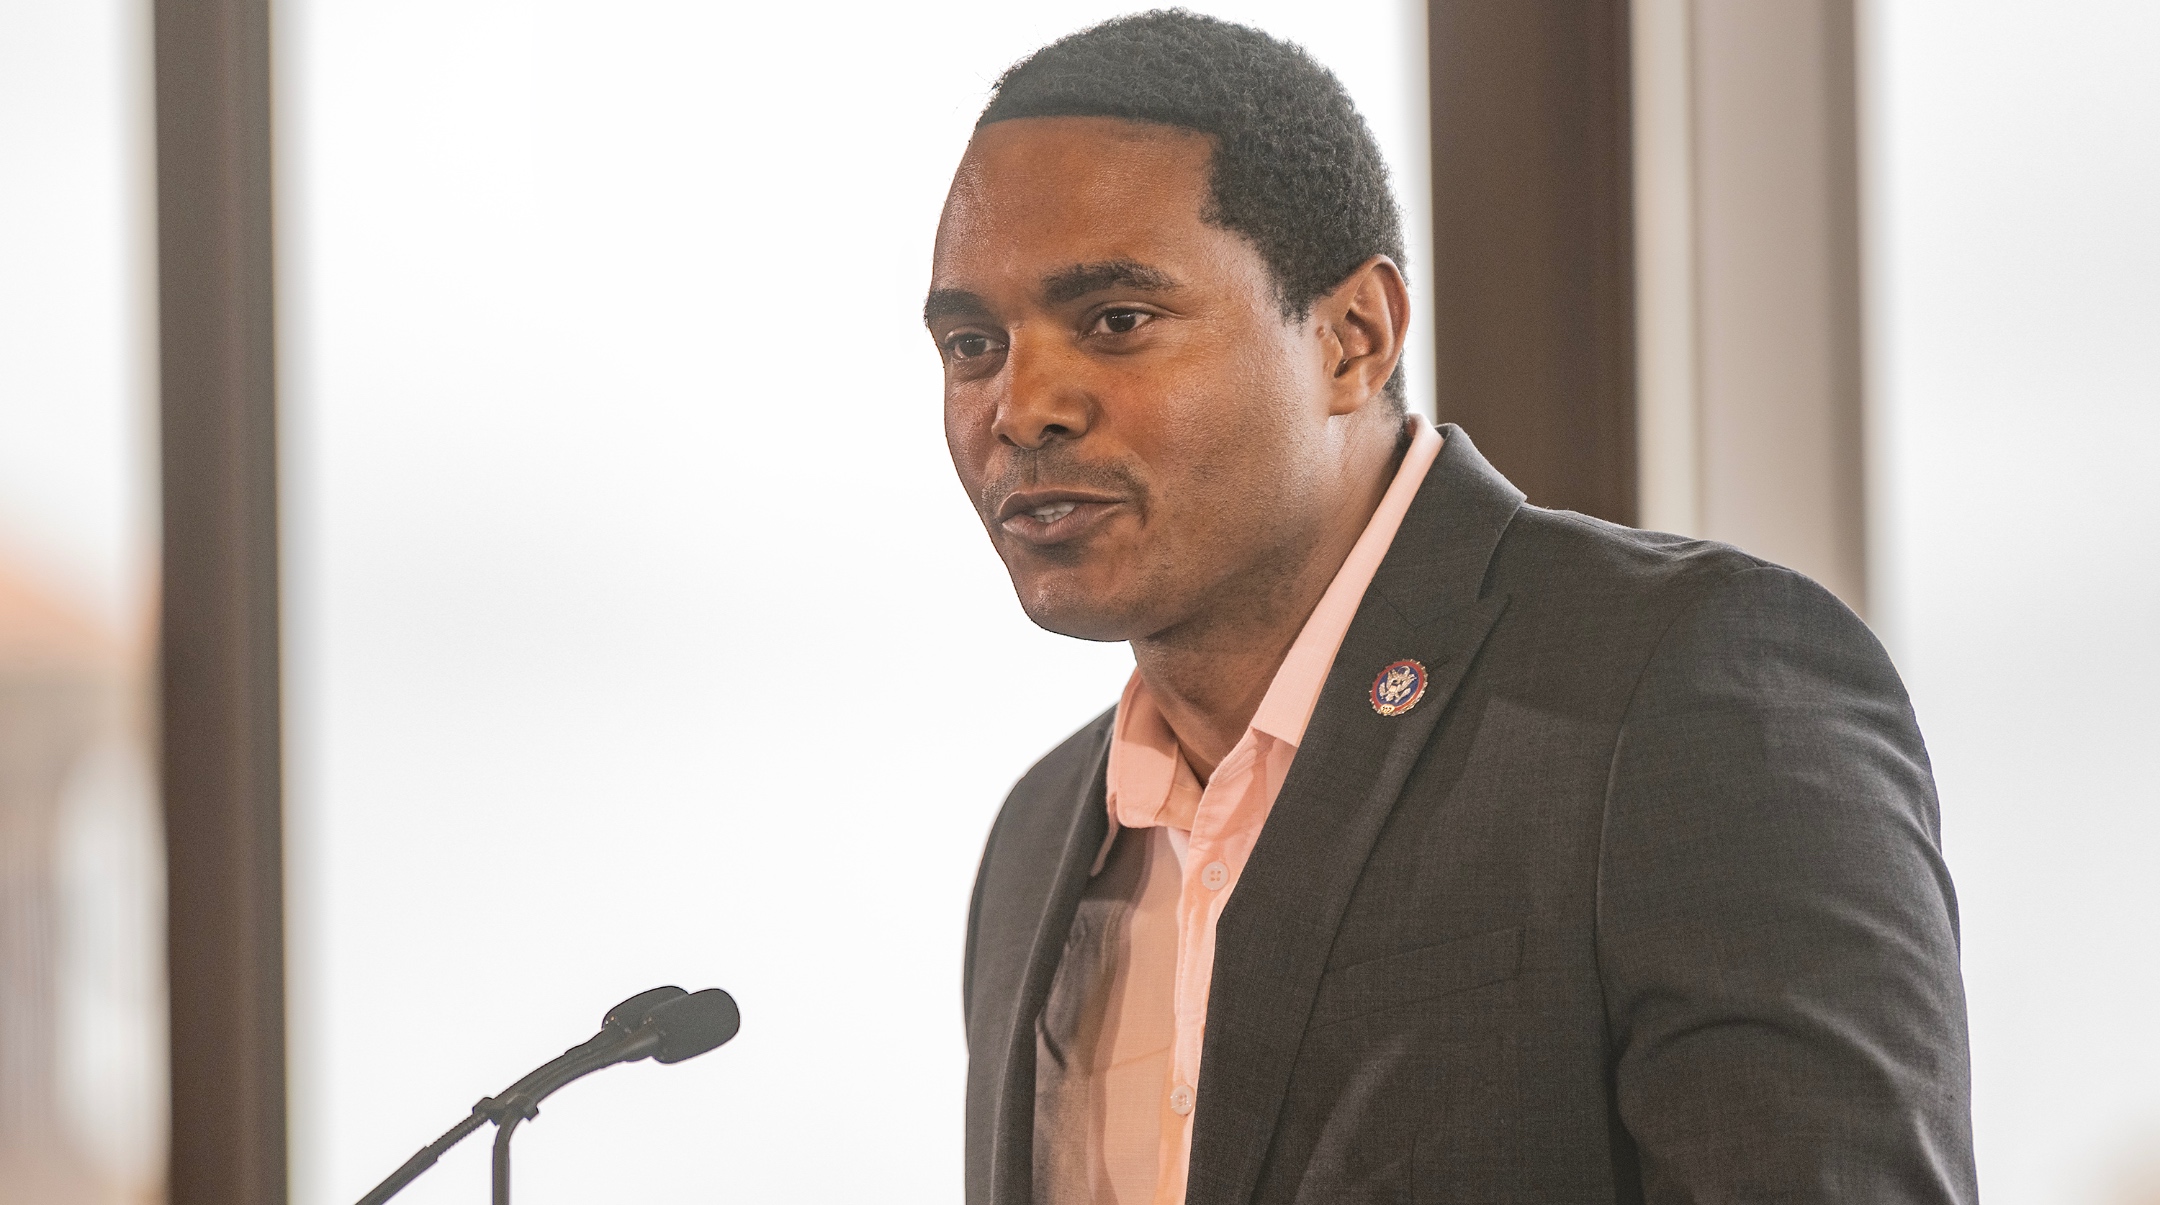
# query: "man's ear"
1361 324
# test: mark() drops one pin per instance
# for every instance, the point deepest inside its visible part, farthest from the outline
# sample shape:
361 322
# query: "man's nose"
1046 397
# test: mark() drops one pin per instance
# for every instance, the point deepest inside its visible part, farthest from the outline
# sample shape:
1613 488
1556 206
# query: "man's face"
1137 424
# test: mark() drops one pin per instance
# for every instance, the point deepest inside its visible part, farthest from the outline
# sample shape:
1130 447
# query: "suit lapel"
1013 1153
1276 932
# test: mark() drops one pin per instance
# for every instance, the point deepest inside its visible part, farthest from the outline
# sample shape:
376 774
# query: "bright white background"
78 528
2015 241
638 631
78 325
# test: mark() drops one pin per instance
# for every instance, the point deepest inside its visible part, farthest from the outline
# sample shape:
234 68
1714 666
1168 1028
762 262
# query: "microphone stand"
504 1127
521 1100
665 1024
483 1112
507 1111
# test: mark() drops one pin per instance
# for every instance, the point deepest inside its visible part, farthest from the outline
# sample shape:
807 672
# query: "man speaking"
1441 848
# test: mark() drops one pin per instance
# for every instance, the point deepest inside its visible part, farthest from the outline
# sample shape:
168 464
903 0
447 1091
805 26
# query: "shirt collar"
1288 705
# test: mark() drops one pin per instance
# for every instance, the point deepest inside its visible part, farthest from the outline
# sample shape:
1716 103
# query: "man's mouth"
1052 516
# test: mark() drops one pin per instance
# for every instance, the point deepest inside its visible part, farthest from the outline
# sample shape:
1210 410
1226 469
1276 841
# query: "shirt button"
1181 1100
1214 875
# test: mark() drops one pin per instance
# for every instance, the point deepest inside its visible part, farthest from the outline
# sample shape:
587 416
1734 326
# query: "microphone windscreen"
631 1013
694 1024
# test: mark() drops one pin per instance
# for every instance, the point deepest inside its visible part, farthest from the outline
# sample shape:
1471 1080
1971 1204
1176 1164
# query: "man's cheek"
973 451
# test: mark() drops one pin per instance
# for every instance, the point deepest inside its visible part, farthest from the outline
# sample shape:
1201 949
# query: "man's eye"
969 347
1122 322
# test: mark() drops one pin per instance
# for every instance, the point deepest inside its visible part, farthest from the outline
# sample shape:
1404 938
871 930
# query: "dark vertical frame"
1533 243
219 622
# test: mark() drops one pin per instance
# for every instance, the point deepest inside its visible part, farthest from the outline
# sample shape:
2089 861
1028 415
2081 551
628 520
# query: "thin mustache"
1056 469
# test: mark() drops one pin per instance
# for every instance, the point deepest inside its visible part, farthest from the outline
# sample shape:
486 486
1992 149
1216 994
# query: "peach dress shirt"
1136 1079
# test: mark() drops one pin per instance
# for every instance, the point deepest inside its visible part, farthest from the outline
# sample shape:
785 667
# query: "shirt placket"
1214 858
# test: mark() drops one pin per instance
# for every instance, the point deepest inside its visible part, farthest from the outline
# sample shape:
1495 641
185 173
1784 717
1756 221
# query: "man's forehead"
1072 177
1094 138
1066 206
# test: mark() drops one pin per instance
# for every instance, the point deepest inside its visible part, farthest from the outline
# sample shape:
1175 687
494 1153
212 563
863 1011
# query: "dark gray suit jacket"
1643 901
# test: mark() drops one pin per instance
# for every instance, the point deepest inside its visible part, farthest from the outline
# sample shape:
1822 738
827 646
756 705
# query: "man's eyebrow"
942 303
1068 284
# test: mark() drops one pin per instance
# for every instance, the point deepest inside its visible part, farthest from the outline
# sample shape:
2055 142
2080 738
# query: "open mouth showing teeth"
1051 513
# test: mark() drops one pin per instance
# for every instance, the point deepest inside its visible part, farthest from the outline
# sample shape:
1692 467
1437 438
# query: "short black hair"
1296 171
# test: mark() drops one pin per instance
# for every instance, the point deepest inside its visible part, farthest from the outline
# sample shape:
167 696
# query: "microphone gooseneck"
673 1030
666 1024
615 1028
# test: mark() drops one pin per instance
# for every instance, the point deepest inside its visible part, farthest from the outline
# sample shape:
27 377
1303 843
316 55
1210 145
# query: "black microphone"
675 1029
615 1028
631 1013
666 1024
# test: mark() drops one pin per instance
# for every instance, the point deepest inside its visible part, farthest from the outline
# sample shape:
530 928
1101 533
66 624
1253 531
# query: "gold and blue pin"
1398 688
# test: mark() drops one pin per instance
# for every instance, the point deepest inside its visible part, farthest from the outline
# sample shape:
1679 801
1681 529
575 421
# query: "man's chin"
1080 617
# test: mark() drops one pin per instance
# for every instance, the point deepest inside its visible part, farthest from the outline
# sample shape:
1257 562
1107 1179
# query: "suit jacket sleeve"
974 920
1777 935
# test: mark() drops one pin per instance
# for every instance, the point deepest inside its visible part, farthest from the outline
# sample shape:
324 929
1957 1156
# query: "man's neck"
1210 674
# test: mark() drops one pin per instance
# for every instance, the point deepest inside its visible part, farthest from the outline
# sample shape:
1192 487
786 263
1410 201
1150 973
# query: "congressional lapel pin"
1398 688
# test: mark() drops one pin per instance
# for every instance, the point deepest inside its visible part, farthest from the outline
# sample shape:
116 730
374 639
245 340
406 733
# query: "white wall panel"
2015 287
638 632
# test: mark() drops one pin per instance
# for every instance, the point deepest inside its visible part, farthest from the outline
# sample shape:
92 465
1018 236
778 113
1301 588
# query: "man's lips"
1054 516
